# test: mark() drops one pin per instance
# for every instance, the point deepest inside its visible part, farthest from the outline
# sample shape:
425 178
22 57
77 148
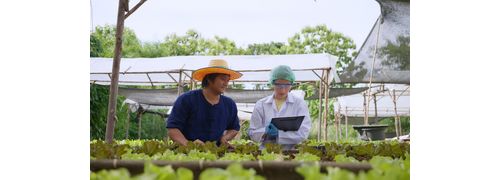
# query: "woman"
280 104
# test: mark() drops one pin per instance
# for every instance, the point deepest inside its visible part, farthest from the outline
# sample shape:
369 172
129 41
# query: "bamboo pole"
365 109
179 85
336 116
375 105
139 118
346 124
396 126
320 108
371 72
113 88
128 123
327 97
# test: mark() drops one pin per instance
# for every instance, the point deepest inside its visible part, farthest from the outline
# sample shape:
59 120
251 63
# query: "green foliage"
405 124
321 39
271 156
98 113
151 171
115 174
249 148
233 171
271 48
306 157
167 150
106 36
397 54
237 157
272 148
382 168
96 49
101 150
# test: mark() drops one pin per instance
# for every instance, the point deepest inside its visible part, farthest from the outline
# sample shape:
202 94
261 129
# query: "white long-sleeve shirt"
265 109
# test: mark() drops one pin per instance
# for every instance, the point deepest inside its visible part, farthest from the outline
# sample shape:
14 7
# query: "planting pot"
371 132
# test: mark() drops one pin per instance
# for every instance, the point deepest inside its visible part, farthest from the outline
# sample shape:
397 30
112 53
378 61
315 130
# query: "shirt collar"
289 98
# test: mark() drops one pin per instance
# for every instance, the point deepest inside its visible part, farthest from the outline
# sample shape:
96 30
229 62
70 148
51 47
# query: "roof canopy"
389 43
168 70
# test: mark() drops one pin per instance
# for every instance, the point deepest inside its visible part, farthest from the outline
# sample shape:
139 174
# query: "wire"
91 17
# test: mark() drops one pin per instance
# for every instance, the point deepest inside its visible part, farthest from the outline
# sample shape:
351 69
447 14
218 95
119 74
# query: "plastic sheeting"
337 92
392 60
153 71
167 97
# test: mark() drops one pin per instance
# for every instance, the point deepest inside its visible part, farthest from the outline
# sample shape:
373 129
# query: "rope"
371 72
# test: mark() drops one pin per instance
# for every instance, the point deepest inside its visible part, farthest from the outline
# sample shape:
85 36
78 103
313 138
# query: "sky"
244 22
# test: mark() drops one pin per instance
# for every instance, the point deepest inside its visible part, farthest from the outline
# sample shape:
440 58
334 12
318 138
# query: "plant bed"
268 169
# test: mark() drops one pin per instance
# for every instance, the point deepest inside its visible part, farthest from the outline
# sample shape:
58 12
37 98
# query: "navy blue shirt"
196 118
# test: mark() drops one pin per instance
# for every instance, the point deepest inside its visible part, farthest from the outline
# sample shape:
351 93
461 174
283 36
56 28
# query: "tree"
321 39
96 49
105 35
397 54
271 48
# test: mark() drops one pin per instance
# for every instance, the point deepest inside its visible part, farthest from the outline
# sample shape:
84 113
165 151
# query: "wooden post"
375 105
346 124
113 88
179 85
320 108
139 118
396 126
365 109
127 125
371 72
327 97
193 82
336 124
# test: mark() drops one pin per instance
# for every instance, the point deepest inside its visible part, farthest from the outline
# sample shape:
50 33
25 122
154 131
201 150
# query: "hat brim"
200 73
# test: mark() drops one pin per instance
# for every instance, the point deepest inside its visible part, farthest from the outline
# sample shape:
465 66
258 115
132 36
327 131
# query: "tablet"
288 123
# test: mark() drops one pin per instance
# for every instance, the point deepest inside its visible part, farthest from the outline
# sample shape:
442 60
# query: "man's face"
281 88
219 84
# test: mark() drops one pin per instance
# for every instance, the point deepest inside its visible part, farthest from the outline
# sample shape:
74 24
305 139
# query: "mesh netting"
392 58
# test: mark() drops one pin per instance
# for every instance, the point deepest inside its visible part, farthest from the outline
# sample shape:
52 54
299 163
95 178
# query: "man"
280 104
203 115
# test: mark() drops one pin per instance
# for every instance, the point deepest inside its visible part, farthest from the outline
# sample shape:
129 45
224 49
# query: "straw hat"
216 66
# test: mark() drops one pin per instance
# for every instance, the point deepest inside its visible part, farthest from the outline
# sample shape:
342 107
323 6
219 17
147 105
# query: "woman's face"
281 88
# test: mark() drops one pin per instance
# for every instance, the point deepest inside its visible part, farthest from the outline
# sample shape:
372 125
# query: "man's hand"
197 141
225 141
177 136
230 134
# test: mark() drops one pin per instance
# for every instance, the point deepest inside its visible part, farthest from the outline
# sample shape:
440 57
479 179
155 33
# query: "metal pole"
113 88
